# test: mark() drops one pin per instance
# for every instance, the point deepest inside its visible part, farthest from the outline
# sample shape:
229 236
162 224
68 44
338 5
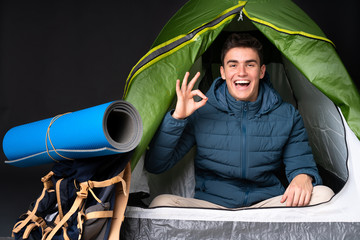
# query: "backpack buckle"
47 177
47 180
40 222
84 188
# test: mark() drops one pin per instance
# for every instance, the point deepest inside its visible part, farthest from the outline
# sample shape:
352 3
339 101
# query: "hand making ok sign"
186 104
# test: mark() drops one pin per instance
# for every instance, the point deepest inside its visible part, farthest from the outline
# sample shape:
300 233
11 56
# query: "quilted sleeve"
298 157
172 141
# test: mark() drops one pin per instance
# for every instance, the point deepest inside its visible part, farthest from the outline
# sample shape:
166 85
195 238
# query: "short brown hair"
242 40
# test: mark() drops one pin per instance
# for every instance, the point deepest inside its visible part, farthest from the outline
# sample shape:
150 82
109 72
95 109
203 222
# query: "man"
243 133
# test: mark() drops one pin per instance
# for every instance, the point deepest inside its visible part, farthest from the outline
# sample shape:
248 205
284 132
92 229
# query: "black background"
58 57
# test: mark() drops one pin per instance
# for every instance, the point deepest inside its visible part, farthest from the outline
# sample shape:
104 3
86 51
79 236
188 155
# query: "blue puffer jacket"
240 146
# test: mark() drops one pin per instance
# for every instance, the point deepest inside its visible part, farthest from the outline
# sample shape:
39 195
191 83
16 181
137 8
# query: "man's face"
242 72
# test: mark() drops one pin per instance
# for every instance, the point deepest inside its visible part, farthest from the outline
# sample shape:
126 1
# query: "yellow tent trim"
241 3
286 31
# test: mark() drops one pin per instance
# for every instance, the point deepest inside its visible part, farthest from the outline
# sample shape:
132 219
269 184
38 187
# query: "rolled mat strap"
106 129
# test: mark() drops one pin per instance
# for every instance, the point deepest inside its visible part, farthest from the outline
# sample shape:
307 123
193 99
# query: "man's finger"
290 199
177 85
307 199
296 199
193 81
284 196
200 104
184 82
197 92
302 199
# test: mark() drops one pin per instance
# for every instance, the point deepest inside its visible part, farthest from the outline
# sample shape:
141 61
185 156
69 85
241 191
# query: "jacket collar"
268 99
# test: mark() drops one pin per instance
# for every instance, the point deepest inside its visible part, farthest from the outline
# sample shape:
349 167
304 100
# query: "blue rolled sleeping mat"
106 129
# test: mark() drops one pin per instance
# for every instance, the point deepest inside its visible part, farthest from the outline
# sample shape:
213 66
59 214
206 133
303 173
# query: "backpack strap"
36 222
121 198
31 215
122 182
81 195
99 214
122 188
58 199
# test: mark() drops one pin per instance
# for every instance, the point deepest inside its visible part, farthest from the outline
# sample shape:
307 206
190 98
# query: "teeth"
242 82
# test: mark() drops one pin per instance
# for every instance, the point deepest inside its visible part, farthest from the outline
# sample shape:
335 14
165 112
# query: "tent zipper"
157 51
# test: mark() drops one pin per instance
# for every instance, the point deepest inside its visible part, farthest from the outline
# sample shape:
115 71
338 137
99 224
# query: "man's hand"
298 192
186 105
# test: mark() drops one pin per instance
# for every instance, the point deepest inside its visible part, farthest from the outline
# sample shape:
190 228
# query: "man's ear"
222 72
262 71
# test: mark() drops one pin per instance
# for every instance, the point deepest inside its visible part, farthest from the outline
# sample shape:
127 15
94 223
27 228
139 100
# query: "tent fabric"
180 229
310 55
323 121
110 128
299 23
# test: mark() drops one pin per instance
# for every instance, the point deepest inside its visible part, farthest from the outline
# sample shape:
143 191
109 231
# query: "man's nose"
241 71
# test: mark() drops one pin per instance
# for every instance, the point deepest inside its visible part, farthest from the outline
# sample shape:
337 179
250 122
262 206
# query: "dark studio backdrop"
58 57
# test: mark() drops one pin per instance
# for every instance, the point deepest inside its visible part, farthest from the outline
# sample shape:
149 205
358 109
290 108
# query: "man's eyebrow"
232 61
251 60
236 61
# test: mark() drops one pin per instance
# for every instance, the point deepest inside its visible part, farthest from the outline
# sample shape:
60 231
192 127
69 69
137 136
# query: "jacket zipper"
243 152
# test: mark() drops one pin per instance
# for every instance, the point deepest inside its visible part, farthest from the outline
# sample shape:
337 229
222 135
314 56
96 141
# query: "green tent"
150 86
307 72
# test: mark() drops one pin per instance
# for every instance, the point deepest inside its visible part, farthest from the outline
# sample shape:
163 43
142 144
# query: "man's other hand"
298 192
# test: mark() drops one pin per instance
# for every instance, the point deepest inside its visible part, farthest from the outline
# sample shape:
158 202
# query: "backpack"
81 199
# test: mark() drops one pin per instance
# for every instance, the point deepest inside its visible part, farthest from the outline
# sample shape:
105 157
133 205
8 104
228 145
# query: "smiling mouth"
242 83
